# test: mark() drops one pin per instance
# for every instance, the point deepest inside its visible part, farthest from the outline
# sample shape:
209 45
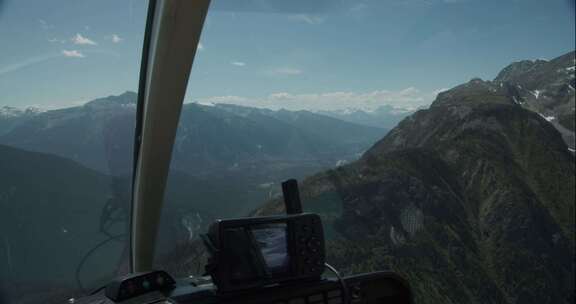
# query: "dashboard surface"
371 288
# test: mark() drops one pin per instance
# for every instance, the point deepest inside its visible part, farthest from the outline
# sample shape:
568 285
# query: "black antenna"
291 197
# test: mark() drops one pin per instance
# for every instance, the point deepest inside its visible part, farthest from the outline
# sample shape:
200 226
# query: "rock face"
472 200
546 87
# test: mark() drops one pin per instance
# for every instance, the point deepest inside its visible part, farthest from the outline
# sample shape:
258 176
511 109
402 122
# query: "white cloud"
358 7
116 39
26 63
438 91
73 53
287 71
200 46
238 63
45 25
56 40
225 99
79 39
310 19
407 99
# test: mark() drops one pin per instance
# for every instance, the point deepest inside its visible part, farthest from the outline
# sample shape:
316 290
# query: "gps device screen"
273 244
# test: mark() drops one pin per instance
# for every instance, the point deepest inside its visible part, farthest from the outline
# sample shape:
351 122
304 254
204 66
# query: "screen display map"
272 242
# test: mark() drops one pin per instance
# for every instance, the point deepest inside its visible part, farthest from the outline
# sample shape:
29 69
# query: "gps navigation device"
254 252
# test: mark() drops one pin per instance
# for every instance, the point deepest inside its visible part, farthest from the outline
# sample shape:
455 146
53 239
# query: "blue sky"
293 54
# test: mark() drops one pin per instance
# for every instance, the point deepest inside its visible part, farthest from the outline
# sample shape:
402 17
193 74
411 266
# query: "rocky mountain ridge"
472 200
545 87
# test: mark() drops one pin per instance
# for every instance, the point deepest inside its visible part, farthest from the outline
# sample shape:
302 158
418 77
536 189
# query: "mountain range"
471 200
211 141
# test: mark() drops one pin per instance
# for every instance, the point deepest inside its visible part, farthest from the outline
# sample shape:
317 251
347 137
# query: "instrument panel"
371 288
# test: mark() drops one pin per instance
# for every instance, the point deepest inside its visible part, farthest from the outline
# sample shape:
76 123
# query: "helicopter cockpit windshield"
69 77
434 138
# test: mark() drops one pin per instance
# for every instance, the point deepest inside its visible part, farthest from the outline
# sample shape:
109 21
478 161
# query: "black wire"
88 254
342 283
140 112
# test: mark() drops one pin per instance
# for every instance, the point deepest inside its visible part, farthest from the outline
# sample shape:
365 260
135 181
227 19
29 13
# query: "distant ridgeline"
212 140
472 199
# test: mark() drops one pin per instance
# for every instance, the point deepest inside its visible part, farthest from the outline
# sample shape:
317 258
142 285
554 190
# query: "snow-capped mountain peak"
13 112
